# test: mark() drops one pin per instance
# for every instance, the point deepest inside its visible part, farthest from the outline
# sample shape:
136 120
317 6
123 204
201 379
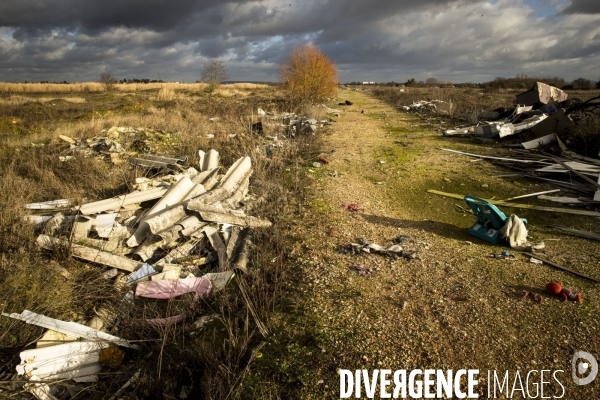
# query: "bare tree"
213 73
108 79
431 81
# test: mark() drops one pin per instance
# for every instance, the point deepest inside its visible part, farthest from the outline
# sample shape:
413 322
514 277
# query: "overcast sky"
369 40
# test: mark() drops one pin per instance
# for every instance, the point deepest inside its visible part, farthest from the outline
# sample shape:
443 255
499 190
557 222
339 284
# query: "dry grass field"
453 306
32 117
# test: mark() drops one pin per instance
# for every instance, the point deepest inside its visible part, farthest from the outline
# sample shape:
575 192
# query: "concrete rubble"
190 242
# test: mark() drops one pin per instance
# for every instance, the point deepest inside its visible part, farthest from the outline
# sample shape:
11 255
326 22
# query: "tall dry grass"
5 87
212 363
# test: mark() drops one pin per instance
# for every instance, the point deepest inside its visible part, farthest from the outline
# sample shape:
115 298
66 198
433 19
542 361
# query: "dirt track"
453 307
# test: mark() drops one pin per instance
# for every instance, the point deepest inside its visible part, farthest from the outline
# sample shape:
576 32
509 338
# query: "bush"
108 80
308 75
213 73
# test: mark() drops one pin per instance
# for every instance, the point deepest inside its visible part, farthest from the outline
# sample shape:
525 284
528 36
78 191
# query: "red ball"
554 287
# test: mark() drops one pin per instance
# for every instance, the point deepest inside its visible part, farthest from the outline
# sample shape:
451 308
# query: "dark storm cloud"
376 40
92 14
583 7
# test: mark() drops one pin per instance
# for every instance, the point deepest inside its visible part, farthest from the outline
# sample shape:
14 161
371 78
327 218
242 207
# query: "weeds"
211 363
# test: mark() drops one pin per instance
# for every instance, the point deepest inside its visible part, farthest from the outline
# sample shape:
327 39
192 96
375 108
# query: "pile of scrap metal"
537 111
190 241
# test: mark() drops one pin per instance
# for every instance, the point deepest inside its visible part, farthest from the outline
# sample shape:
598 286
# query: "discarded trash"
352 207
361 271
490 220
505 255
535 261
394 250
564 294
541 93
534 296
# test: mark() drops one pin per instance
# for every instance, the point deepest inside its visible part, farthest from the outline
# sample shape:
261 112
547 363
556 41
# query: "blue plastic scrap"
489 220
144 271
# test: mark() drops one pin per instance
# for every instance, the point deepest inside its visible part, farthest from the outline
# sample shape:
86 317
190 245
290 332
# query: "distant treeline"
521 81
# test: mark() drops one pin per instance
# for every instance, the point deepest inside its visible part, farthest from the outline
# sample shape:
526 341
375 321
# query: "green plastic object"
489 220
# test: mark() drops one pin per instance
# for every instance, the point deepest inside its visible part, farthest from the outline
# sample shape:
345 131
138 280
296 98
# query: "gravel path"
450 307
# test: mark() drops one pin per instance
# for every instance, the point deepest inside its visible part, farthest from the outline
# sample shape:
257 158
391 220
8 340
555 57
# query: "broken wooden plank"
588 235
532 194
496 158
69 328
524 206
560 267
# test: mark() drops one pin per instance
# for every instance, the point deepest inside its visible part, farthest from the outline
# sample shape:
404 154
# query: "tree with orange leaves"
309 75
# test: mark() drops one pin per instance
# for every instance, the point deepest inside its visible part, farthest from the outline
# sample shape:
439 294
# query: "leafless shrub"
108 80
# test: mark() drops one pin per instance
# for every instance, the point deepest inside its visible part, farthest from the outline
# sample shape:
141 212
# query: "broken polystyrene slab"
52 338
201 322
144 271
116 203
104 224
81 227
167 289
529 122
49 205
171 273
40 391
75 360
535 143
110 273
91 254
69 328
460 131
492 130
37 219
219 279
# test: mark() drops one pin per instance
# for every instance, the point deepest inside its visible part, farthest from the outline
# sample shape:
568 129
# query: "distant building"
369 83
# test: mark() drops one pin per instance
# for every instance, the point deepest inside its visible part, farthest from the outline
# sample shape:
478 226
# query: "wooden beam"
588 235
524 206
532 194
560 267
